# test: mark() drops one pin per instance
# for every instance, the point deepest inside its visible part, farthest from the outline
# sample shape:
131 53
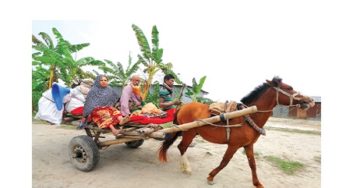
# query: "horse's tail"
166 144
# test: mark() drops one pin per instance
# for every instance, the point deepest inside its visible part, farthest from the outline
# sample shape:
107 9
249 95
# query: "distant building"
293 112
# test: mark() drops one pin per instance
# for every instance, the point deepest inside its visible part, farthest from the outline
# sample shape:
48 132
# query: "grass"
287 166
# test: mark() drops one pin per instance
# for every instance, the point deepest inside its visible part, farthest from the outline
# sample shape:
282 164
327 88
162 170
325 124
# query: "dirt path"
120 166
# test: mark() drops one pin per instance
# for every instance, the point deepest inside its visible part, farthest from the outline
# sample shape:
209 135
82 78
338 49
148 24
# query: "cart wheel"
134 144
84 153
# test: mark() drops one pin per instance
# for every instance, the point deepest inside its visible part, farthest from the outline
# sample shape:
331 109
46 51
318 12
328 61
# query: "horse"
265 97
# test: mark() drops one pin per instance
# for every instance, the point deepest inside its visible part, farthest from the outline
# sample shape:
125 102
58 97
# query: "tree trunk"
51 76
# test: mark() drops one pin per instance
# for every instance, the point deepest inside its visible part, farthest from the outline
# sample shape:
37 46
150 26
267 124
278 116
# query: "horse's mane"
252 96
259 90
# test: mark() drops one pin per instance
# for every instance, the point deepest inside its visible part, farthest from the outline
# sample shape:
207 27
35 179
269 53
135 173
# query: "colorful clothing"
99 96
143 120
105 116
77 111
128 96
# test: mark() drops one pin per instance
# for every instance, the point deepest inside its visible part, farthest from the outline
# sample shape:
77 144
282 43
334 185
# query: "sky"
236 44
237 47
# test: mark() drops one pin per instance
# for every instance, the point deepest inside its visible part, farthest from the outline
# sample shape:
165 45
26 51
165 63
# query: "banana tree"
116 73
151 58
59 59
196 91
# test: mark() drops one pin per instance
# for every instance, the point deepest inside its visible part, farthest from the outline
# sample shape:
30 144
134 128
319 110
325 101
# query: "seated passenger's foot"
115 132
124 120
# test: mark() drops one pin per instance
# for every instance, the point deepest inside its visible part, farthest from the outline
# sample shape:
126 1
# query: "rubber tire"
134 144
83 144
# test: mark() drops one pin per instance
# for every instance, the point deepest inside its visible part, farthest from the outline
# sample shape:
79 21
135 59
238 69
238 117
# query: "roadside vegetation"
54 60
287 166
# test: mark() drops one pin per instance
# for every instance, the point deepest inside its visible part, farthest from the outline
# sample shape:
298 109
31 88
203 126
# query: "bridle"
291 96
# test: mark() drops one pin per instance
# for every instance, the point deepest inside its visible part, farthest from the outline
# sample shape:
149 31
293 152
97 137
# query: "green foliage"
59 58
154 94
151 58
143 43
117 75
287 166
39 85
205 100
52 62
195 92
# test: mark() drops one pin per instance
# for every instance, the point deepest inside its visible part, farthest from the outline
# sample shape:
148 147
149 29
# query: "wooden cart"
84 149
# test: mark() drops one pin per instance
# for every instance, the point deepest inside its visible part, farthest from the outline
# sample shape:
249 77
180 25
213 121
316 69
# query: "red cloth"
105 116
77 111
146 120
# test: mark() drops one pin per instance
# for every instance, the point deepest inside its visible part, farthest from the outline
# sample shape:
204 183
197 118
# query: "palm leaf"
201 83
142 41
142 61
121 69
106 69
78 47
155 38
88 61
47 39
35 40
57 34
114 66
129 63
134 68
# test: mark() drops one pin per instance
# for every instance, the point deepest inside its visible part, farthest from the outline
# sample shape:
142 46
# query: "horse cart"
84 149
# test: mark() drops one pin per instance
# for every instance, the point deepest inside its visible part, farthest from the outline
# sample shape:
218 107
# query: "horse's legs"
252 164
226 158
183 145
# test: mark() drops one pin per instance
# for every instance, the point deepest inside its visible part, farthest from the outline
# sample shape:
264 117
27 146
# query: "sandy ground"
120 166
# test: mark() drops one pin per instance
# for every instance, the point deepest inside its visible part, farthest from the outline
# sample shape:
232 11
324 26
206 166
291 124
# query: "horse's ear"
269 82
276 81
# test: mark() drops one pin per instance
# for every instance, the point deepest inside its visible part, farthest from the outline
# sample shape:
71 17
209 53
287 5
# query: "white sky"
237 44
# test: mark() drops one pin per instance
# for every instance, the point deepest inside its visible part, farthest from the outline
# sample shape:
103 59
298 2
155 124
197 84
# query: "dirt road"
120 166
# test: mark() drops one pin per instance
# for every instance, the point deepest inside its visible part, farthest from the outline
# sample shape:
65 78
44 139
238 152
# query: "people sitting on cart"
166 101
99 106
131 98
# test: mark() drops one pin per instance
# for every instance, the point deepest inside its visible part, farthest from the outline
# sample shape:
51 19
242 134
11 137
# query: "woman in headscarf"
99 105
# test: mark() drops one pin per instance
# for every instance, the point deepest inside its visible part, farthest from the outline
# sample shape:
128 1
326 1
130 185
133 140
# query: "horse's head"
286 95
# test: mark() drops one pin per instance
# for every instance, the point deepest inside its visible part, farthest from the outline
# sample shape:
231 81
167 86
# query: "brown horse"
265 97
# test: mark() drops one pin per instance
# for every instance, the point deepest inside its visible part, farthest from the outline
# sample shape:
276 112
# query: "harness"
248 119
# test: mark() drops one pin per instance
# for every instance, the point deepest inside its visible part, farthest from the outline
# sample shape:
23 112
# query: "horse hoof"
187 172
259 186
211 182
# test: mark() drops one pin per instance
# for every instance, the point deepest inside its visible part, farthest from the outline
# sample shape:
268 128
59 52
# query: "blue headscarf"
99 96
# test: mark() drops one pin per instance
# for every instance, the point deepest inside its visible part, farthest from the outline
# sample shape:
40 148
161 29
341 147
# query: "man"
166 101
129 96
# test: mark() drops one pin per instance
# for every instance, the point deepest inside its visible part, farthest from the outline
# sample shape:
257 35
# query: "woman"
99 106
